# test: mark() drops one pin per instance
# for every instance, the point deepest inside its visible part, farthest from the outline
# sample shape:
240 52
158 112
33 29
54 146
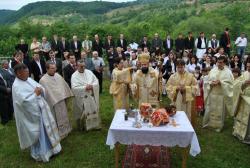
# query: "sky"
17 4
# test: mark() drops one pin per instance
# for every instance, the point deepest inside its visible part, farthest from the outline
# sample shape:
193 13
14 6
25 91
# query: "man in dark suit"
69 69
145 43
168 44
37 67
56 61
55 46
75 47
97 45
109 42
64 46
5 95
7 73
179 45
17 58
111 59
156 44
87 45
189 43
22 46
168 69
9 76
121 42
225 41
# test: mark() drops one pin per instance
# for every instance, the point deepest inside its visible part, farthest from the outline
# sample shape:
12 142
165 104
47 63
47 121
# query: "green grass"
88 149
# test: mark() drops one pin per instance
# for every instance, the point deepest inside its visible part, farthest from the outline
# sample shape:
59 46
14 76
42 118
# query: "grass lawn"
88 149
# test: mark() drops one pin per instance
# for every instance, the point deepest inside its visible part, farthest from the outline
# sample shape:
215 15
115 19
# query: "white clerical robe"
86 103
34 121
218 99
241 110
57 92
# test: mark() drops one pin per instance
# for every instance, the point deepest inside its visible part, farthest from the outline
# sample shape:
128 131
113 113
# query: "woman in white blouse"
193 63
35 45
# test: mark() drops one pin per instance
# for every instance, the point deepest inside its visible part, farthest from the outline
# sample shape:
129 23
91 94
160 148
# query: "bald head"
95 54
156 35
74 37
80 66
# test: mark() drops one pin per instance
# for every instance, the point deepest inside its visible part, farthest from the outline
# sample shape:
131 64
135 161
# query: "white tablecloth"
182 135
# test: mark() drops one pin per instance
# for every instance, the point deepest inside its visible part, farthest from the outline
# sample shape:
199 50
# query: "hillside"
5 14
50 11
57 9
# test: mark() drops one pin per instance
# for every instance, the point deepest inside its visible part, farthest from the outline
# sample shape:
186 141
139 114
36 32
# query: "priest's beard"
144 70
81 71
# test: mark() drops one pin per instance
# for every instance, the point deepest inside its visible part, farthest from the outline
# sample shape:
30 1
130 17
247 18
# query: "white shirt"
191 67
128 52
53 60
63 43
241 42
168 42
98 62
46 46
75 44
134 63
207 64
214 40
165 60
217 55
10 64
203 44
173 67
35 46
87 44
40 67
134 46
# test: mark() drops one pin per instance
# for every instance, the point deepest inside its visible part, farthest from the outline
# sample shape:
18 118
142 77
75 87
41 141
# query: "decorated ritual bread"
171 110
159 116
145 110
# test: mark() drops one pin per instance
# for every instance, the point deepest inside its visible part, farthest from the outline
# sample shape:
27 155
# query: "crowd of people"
199 76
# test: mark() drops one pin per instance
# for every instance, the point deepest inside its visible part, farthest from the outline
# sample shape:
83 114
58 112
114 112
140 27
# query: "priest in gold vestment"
145 86
181 89
119 87
241 108
218 95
